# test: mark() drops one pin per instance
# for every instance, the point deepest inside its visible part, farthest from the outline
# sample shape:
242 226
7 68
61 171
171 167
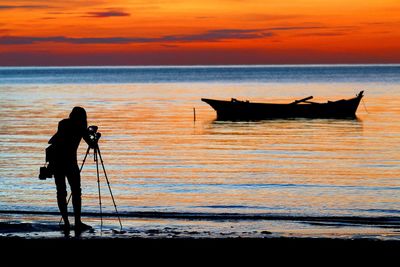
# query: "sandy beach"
37 234
187 250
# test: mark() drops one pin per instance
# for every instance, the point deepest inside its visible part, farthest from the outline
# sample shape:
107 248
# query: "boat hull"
244 110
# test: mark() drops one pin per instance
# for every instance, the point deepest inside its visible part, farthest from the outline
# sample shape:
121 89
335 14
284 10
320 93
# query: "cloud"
106 14
218 35
5 7
330 31
14 40
325 34
209 36
295 28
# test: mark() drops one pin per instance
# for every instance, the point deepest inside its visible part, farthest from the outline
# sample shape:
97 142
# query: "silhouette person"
65 164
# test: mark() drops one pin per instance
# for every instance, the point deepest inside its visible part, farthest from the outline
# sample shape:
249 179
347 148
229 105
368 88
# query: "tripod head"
94 136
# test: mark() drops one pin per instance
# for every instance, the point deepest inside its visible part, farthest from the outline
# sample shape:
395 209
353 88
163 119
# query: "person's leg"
74 180
59 179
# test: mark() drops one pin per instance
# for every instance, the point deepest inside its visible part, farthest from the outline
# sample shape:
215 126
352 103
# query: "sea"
170 169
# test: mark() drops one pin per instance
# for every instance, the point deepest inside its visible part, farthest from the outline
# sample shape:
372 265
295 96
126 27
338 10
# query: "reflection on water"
158 159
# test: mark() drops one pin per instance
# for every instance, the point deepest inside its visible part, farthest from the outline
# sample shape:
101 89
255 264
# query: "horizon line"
208 65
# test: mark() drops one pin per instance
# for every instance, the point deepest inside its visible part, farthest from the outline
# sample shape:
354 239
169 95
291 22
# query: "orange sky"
152 32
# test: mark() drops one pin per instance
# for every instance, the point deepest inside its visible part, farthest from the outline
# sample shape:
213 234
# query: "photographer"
64 164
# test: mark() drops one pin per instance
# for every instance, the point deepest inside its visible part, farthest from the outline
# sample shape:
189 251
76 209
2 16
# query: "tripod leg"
98 185
108 184
84 159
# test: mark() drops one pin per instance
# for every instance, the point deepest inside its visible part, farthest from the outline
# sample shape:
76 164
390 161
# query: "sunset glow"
158 32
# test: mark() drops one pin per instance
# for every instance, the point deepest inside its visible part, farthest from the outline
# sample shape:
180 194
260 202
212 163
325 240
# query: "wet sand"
41 237
171 247
169 240
196 251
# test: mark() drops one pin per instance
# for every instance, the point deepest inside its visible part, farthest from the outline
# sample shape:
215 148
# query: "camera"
45 172
94 136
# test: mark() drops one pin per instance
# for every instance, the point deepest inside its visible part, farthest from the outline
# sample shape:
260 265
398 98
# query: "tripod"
97 156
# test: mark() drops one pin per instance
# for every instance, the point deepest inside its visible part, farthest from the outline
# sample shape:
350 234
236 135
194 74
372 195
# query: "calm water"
158 159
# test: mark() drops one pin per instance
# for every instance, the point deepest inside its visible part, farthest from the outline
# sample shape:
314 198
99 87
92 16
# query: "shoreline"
155 225
382 221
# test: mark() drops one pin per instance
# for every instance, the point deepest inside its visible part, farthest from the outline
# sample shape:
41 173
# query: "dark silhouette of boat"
236 110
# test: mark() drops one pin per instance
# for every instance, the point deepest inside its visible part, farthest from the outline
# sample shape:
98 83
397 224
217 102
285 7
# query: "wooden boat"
245 110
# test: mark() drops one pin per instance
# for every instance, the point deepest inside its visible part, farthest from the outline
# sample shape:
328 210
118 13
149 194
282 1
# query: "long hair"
78 115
